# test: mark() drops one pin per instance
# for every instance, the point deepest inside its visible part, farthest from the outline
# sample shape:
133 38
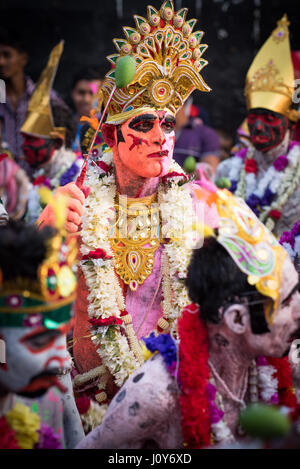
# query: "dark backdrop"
234 30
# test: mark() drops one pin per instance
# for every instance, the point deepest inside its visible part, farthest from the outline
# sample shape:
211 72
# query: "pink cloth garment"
138 303
8 170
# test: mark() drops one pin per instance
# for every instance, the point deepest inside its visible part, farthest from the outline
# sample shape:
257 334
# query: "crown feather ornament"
168 56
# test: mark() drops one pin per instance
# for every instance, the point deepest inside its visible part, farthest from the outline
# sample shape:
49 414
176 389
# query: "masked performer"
229 352
37 287
131 280
48 132
267 175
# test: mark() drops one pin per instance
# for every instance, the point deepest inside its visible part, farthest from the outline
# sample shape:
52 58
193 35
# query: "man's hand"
76 198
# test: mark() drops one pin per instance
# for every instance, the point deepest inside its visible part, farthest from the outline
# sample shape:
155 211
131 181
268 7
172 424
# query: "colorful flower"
26 425
276 214
111 321
251 166
281 163
97 254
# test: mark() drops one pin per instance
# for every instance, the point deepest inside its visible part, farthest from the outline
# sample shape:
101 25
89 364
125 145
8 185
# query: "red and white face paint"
33 357
145 143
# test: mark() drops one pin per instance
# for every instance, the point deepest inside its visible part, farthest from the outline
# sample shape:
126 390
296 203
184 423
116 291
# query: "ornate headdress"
47 300
39 120
250 244
168 57
270 79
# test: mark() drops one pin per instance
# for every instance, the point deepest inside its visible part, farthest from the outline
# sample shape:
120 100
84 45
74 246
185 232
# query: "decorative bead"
196 53
145 28
135 38
154 20
178 21
167 14
193 41
197 65
126 48
163 323
127 319
186 30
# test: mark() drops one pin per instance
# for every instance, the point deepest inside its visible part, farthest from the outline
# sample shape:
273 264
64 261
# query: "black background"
234 30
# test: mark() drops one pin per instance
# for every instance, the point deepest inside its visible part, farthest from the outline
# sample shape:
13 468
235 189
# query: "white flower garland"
106 298
283 183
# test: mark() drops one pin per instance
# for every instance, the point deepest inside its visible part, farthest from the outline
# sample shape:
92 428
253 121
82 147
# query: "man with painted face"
267 174
48 132
134 254
37 407
232 350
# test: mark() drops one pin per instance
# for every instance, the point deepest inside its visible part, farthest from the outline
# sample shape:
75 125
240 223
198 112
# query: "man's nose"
259 126
158 136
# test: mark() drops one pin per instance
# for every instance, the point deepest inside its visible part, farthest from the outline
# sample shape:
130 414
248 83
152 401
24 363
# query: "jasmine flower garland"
121 353
268 196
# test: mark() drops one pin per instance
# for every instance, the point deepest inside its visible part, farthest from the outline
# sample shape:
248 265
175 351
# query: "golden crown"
270 79
168 56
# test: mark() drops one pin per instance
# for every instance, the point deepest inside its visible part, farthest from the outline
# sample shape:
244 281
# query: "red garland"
8 438
283 374
112 320
193 378
97 254
172 175
39 180
251 166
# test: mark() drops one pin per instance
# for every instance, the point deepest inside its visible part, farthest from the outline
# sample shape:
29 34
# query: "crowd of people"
149 263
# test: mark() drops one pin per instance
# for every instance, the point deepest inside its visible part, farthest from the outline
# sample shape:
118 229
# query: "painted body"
147 405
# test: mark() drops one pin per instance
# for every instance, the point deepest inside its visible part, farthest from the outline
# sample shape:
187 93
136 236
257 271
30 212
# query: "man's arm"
144 413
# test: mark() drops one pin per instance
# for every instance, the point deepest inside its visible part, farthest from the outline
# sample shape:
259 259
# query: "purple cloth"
12 121
196 139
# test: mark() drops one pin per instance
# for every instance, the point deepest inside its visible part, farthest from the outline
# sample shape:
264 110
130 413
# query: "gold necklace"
136 237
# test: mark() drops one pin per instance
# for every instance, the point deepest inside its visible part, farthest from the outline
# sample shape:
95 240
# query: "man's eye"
143 126
168 127
41 340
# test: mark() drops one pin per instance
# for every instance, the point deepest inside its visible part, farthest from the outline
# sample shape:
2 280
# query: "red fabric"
83 404
286 392
194 377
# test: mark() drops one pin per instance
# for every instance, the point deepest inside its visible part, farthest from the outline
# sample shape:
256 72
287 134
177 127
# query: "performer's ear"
236 317
109 134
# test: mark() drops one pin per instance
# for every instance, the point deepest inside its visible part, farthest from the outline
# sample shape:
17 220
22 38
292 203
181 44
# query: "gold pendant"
135 239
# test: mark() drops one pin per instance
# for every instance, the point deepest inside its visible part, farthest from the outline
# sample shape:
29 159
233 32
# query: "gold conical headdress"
270 79
39 119
168 56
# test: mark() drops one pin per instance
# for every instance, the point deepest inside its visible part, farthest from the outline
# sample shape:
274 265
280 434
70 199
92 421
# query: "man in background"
84 91
19 89
193 138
